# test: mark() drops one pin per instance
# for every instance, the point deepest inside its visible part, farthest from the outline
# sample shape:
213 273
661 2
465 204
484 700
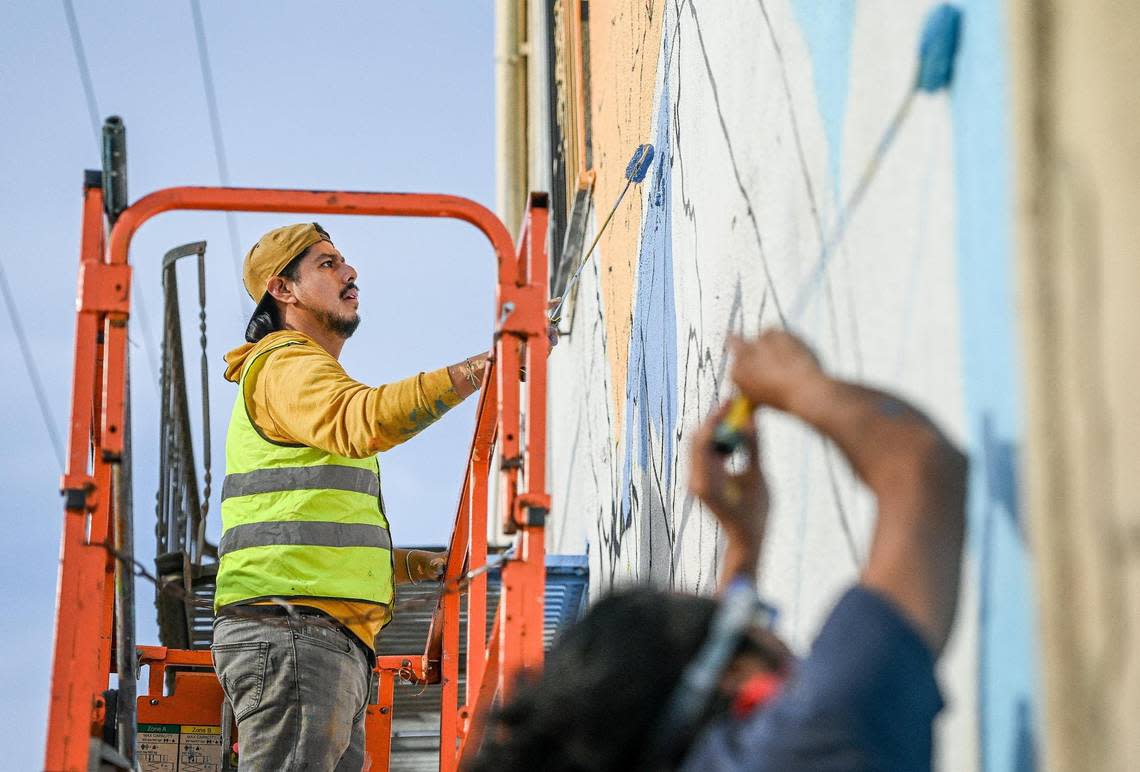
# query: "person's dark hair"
267 318
605 685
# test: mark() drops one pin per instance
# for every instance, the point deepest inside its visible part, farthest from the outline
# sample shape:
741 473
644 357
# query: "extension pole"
635 171
937 50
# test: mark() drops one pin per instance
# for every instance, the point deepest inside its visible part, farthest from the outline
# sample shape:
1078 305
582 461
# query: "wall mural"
763 113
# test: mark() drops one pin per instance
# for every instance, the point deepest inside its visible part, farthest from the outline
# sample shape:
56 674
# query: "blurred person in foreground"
652 680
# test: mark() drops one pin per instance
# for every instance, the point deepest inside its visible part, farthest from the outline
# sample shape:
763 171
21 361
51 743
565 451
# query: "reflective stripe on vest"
297 521
299 478
294 534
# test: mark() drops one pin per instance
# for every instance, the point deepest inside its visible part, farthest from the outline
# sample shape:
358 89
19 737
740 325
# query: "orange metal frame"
511 412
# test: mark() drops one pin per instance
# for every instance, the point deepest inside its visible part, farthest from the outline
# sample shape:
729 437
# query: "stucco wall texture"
763 114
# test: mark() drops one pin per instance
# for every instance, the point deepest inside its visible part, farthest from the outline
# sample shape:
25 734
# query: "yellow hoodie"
303 395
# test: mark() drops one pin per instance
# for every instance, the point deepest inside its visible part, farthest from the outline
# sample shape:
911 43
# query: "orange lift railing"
511 417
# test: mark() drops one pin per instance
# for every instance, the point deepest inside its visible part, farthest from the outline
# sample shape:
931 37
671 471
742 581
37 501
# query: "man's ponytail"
267 317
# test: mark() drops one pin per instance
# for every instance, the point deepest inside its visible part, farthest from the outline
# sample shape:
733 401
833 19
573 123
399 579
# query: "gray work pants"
298 687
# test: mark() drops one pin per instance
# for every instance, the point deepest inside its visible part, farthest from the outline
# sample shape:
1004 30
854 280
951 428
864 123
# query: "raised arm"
918 477
303 395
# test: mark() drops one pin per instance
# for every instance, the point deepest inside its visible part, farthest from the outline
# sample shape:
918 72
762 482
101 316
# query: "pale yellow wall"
1077 118
625 44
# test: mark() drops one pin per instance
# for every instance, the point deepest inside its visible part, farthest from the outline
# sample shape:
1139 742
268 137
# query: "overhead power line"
30 367
96 128
84 72
244 307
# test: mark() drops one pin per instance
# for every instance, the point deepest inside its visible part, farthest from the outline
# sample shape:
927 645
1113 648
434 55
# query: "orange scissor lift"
92 617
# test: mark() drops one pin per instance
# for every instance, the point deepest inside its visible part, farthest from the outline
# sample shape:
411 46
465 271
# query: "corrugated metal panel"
415 719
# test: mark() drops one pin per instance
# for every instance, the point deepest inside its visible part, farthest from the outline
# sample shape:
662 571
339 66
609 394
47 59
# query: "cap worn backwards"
275 250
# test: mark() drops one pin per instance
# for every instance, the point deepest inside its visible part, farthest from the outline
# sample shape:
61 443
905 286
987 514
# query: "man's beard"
341 326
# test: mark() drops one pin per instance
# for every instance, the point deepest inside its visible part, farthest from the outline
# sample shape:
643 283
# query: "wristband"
468 370
408 567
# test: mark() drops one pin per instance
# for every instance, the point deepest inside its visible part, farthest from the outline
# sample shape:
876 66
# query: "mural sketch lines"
795 124
837 497
749 210
759 106
809 187
911 293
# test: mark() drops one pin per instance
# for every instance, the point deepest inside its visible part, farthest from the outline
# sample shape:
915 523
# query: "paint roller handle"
635 172
937 51
555 314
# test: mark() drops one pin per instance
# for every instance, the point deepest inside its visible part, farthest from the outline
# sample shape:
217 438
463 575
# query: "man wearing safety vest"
308 570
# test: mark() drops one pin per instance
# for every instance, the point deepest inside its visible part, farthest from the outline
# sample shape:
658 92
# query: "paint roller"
635 172
937 51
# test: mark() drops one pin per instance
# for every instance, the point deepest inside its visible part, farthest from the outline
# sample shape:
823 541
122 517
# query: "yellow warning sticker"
200 749
191 729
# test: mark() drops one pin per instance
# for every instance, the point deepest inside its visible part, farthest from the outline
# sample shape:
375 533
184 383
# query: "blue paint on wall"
980 108
827 29
983 198
651 377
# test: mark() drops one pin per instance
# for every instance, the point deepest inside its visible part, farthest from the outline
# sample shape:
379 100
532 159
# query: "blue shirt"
863 699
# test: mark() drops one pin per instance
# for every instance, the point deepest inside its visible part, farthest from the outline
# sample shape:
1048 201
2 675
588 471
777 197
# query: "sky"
350 96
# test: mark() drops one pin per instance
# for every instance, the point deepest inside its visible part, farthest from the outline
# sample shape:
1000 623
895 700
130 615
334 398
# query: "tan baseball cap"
275 250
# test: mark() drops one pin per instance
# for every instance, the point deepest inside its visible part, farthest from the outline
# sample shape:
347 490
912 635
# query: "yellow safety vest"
298 522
